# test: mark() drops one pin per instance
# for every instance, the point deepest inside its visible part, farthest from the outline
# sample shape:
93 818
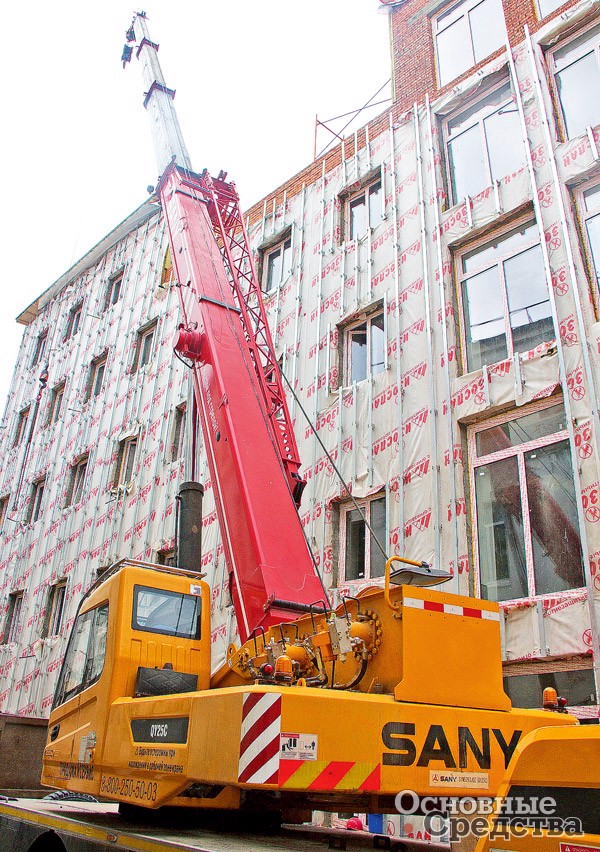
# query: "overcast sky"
76 151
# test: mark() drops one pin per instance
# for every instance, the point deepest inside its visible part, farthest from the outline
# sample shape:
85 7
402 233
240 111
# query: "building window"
76 482
74 321
14 617
527 534
54 610
590 212
40 348
4 501
56 401
577 75
113 290
465 34
126 461
21 426
505 303
361 557
364 211
96 380
36 500
364 349
166 557
526 690
178 442
277 264
143 347
484 143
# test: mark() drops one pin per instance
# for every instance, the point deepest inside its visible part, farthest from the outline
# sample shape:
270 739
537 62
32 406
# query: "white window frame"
363 196
363 325
126 461
518 451
77 481
14 617
557 65
445 19
22 421
40 348
115 285
179 426
365 506
462 277
143 354
36 501
74 321
56 402
55 609
492 110
281 248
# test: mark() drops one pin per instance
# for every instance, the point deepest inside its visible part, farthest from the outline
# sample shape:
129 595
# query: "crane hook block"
188 344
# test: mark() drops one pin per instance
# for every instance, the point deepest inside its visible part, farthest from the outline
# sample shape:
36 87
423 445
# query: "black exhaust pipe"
189 526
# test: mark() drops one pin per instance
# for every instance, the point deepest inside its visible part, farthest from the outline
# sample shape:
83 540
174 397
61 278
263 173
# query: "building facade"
432 290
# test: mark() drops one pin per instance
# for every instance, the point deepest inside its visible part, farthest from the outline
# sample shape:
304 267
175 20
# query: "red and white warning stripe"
451 609
259 738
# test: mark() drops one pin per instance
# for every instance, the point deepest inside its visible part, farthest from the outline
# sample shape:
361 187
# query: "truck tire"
68 796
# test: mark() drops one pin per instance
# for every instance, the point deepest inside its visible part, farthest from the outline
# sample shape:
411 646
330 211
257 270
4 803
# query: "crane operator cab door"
144 631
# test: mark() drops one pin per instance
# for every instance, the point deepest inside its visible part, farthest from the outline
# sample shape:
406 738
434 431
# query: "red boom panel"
264 545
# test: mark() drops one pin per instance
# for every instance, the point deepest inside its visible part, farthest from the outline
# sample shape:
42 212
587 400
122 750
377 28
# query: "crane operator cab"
141 630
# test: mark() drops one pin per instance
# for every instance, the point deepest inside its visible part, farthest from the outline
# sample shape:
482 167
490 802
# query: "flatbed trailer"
34 825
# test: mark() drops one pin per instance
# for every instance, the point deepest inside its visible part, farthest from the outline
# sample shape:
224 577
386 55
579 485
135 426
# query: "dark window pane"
553 517
355 546
377 522
502 561
527 690
170 613
377 345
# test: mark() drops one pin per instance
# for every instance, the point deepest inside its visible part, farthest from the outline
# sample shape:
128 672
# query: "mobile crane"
319 708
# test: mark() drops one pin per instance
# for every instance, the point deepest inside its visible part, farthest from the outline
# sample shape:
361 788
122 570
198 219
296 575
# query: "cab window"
85 655
170 613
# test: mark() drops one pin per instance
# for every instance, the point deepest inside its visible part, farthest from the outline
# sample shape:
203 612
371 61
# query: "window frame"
178 433
448 138
14 615
166 557
445 12
115 282
352 328
22 421
124 456
352 199
583 217
143 333
35 511
554 70
62 695
97 365
77 476
40 348
4 504
56 402
74 321
280 247
518 451
460 277
55 609
139 590
345 508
